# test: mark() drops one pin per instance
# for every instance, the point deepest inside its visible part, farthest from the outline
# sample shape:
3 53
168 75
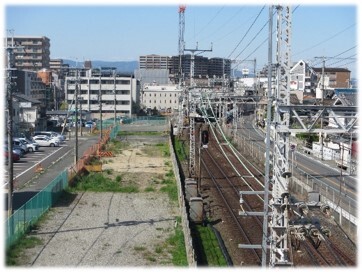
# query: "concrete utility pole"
100 102
115 100
9 100
76 117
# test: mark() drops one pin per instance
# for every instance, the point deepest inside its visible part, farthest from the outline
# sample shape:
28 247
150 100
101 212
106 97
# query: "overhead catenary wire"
212 19
334 57
222 26
261 44
256 18
326 40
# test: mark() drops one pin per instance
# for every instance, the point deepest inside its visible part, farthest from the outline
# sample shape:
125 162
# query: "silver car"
30 145
43 140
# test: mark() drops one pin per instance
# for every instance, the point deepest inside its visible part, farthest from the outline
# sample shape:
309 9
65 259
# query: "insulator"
326 232
325 209
313 232
303 208
302 231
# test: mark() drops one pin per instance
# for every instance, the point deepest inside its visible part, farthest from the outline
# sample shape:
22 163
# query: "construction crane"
181 42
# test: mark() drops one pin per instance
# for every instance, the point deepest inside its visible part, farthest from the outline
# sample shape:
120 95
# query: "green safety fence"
149 120
114 131
28 214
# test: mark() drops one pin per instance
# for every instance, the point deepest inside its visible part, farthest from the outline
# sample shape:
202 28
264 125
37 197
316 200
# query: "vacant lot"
116 228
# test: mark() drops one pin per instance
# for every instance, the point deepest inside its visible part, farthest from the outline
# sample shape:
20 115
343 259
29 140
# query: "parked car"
89 124
60 137
43 140
17 143
50 134
31 145
16 156
19 150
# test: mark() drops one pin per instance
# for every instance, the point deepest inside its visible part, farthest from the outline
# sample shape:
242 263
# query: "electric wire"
223 25
256 18
212 19
328 39
334 57
344 59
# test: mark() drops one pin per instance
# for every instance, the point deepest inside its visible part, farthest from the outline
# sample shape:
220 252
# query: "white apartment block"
162 97
109 93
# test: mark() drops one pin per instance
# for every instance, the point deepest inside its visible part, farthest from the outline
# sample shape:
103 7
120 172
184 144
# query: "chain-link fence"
28 214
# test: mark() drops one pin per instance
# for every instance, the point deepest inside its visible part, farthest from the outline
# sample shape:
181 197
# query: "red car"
16 156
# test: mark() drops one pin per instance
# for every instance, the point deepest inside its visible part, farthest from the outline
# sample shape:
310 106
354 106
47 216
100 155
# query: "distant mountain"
122 66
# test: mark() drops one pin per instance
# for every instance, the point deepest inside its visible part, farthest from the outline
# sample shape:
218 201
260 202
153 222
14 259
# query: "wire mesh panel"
28 214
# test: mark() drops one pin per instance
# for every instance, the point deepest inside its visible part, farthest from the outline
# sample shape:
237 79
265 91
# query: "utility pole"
76 117
115 100
9 99
100 102
81 113
322 103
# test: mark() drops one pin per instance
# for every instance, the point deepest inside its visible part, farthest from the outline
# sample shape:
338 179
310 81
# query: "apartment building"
154 62
30 52
104 91
203 66
338 77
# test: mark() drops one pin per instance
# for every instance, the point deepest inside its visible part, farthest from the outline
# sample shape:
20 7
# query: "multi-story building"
203 67
164 98
219 67
154 62
338 77
30 53
105 92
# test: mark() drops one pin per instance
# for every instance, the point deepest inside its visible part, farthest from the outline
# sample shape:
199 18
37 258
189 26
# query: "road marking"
39 162
330 180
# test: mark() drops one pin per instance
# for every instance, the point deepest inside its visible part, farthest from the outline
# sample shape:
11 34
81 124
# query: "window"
124 82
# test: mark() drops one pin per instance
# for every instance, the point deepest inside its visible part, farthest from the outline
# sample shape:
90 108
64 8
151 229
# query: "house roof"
27 98
294 99
346 99
330 70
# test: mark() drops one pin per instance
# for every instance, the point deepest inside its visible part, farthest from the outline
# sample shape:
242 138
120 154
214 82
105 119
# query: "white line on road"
39 162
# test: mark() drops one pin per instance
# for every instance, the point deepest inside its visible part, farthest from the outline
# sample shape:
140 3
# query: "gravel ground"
106 229
111 229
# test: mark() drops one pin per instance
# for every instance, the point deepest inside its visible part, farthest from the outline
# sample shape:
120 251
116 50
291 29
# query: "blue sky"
120 32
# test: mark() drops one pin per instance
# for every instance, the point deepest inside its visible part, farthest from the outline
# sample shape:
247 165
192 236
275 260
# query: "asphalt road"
29 183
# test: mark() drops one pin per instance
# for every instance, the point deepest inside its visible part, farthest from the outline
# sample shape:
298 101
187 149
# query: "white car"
30 145
46 141
60 137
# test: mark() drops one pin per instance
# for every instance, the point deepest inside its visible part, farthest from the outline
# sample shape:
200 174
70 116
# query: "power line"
247 32
266 23
335 57
212 19
344 59
223 25
326 40
253 39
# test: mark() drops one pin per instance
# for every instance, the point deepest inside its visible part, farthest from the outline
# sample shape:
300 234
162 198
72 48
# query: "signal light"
204 137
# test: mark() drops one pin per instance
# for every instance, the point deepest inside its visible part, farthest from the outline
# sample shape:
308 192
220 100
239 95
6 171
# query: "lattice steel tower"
280 250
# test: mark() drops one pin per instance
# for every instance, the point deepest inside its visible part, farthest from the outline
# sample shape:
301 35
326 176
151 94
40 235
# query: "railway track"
225 172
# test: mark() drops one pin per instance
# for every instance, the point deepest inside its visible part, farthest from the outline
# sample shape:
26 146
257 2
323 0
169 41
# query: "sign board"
25 105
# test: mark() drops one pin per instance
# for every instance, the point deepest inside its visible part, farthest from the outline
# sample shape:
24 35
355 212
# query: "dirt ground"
112 229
